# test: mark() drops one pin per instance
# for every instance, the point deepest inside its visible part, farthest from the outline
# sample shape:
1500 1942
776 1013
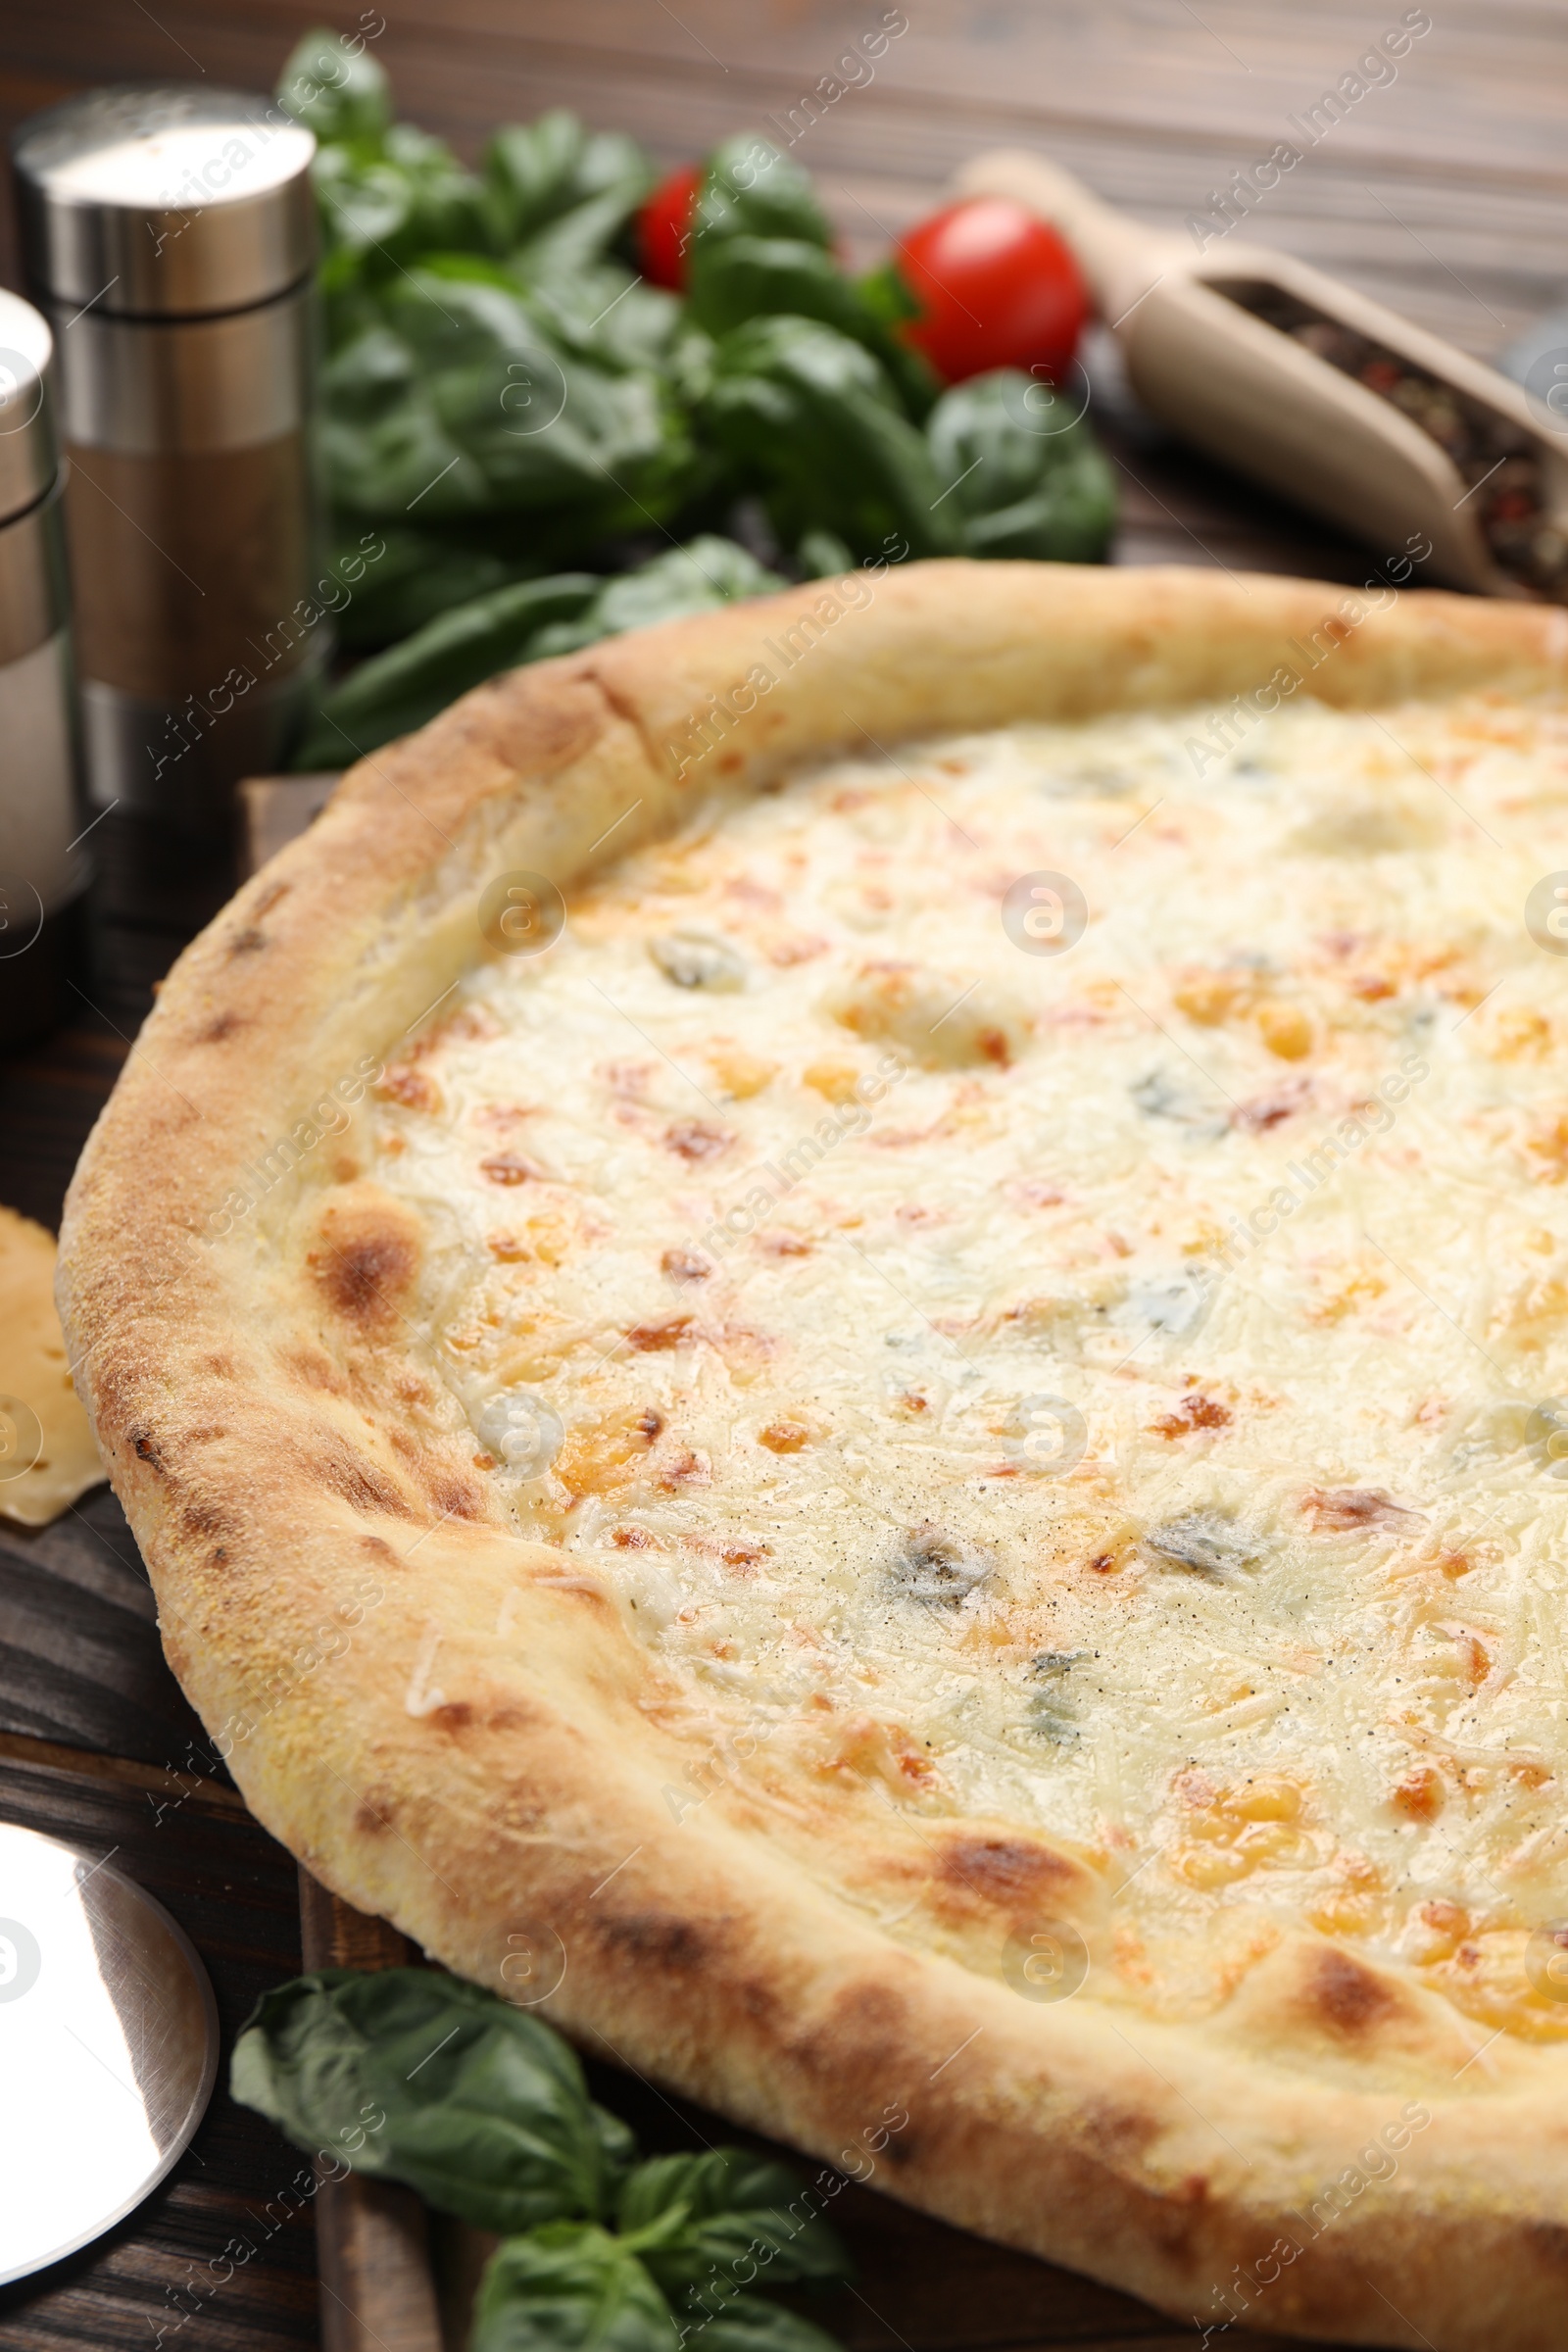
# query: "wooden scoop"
1228 348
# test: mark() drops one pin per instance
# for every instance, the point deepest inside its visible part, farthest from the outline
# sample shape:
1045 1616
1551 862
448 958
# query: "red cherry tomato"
998 289
665 228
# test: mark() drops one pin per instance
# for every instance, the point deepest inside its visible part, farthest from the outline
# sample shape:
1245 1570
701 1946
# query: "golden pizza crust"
330 1568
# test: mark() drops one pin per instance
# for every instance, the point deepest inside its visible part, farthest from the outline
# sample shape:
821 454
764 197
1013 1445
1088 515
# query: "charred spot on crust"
361 1277
1347 1995
866 2017
1007 1871
222 1025
145 1447
316 1368
1128 2132
453 1495
657 1937
454 1716
372 1815
346 1474
1550 2239
248 941
366 1255
510 1718
208 1519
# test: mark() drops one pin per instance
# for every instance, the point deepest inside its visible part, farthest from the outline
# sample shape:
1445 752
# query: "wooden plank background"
1445 194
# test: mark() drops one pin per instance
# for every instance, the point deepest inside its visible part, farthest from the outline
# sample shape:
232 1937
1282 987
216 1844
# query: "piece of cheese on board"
47 1453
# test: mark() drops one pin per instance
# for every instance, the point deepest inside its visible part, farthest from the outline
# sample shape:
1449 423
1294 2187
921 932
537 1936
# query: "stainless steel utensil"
43 865
108 2048
169 236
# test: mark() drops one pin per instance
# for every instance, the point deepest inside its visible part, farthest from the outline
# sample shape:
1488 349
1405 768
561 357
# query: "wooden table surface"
1445 193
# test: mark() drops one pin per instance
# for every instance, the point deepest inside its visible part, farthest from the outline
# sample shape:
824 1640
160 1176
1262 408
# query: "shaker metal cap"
171 202
28 455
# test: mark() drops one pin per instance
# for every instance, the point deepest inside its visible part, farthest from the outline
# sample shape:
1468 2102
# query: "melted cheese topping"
1101 1386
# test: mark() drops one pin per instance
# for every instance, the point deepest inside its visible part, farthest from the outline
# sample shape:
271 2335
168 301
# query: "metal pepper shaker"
169 235
43 863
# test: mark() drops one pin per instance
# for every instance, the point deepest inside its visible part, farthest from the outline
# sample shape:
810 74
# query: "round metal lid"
108 2048
166 203
28 457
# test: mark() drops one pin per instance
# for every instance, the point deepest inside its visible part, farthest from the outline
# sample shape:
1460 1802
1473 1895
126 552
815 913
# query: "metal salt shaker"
170 237
43 865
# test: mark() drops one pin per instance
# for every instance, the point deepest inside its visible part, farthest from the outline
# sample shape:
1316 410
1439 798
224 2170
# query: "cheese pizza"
838 1338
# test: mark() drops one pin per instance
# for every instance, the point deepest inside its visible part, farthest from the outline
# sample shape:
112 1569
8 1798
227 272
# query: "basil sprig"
1025 475
742 2220
399 690
410 2075
511 406
482 2108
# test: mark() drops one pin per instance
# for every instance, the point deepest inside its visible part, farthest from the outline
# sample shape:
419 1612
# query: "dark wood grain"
1445 194
80 1662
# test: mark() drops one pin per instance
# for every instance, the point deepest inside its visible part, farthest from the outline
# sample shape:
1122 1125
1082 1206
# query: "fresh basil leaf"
601 312
616 2144
821 555
699 578
750 189
887 294
386 203
809 415
571 2288
1025 477
739 278
420 576
458 402
744 2221
335 91
557 191
658 2186
414 2075
407 685
746 2324
523 622
540 428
